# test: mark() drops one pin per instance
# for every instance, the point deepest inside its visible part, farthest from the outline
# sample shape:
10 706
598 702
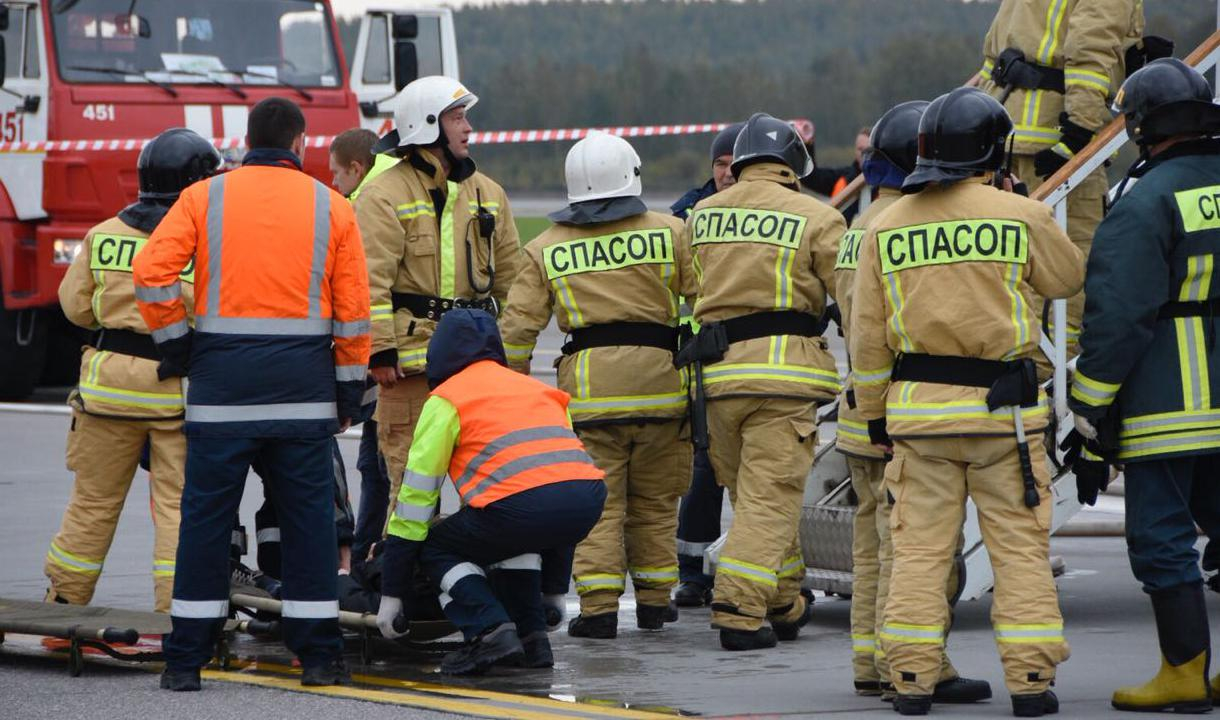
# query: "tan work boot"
1180 688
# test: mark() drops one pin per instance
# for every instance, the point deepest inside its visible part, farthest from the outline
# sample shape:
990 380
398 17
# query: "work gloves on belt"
1072 140
1084 455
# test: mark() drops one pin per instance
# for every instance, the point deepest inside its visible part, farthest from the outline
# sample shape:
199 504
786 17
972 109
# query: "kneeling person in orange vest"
528 490
120 403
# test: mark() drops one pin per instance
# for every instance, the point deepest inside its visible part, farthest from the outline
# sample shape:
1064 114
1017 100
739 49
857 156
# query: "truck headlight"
65 251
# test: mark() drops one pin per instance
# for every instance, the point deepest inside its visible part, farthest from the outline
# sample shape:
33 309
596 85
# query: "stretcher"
422 633
127 635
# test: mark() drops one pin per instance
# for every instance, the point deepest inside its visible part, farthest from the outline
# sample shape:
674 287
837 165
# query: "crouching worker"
527 486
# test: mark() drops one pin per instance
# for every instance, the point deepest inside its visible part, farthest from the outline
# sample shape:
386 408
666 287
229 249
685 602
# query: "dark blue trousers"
374 493
1165 499
521 533
699 521
299 474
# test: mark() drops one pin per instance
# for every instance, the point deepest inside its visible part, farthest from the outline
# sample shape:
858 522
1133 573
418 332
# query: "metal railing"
1054 192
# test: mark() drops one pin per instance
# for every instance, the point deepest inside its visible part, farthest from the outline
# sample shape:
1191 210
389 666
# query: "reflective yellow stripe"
75 563
163 568
448 279
563 290
985 71
599 581
1169 422
1087 78
130 398
917 634
894 286
899 411
1030 133
1167 444
518 352
1093 392
783 277
748 571
99 287
412 358
1029 634
1050 37
730 372
381 312
1020 317
793 566
627 403
871 377
411 210
864 643
661 574
857 430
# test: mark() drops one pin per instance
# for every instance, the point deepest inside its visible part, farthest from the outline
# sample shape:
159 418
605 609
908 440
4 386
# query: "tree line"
840 63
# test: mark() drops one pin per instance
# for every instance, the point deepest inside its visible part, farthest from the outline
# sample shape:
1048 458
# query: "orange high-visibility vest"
840 186
515 435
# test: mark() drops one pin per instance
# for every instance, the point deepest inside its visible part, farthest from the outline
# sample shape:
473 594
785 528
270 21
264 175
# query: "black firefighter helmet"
767 138
961 134
1165 98
895 137
173 161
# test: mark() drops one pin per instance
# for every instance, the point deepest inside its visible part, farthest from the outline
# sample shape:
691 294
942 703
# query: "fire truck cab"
98 73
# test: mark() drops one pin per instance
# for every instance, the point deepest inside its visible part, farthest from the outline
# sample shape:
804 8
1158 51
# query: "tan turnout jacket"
1087 39
760 246
954 270
410 249
629 270
852 433
97 292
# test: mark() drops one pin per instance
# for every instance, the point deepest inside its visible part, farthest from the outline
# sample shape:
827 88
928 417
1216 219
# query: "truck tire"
23 349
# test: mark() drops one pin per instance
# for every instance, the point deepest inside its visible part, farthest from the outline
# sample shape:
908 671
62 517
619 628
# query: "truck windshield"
248 42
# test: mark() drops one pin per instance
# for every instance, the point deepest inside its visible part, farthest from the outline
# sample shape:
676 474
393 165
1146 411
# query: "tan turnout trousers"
105 453
930 479
648 469
398 410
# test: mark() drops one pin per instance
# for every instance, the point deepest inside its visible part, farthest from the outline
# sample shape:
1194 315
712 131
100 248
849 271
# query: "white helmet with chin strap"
602 166
417 116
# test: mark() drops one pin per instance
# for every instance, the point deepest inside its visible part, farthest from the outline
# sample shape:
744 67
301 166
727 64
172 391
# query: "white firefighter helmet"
417 114
602 166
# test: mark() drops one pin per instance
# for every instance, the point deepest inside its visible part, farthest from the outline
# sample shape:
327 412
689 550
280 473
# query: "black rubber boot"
912 704
599 627
538 653
654 617
334 672
789 631
499 644
1035 704
961 690
693 594
760 639
181 680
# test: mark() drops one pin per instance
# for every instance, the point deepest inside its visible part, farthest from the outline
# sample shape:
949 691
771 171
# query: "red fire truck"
88 71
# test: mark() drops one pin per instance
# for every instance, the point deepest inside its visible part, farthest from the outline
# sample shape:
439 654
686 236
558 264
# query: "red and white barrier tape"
491 137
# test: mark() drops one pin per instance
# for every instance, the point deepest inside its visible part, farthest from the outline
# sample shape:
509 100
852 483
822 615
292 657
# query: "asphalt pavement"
678 670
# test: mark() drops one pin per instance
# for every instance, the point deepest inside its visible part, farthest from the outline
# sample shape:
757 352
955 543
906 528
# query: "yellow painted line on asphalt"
410 693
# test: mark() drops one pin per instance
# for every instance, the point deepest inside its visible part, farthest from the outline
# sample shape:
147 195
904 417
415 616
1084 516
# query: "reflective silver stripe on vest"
203 609
529 462
171 332
419 481
507 440
215 223
311 609
159 294
249 413
321 247
350 373
414 513
262 326
370 395
355 328
267 535
528 561
457 572
692 549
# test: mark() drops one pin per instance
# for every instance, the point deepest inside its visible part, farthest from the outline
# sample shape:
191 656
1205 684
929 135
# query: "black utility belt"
1011 69
714 337
125 342
657 335
431 307
1009 382
1184 309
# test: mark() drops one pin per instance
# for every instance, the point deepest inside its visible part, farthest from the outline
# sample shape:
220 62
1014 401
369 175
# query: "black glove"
877 434
1072 137
1092 476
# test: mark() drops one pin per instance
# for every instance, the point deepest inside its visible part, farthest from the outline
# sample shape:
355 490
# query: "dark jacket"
1159 375
683 206
823 181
